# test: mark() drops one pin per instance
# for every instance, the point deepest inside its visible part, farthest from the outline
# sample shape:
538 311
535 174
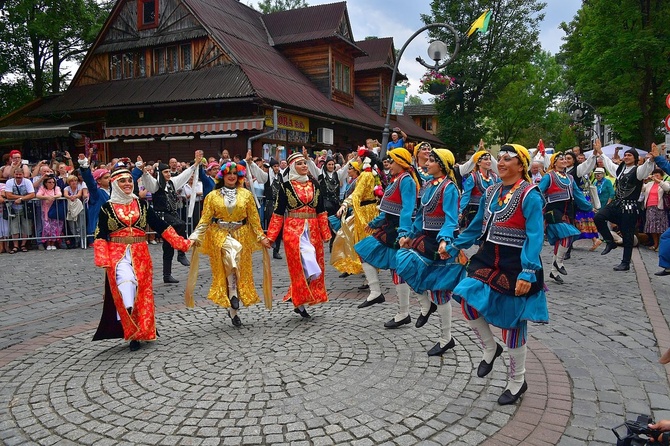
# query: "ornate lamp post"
577 111
437 50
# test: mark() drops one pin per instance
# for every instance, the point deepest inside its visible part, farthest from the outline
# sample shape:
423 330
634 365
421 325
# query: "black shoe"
183 260
235 303
364 287
439 351
236 321
557 278
377 300
561 269
302 312
275 255
485 367
623 266
169 279
134 346
421 320
343 275
393 324
507 397
663 272
567 257
608 247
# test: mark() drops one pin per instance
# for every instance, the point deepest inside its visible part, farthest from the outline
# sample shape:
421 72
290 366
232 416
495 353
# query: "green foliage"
39 36
413 100
480 66
14 95
524 109
270 6
617 57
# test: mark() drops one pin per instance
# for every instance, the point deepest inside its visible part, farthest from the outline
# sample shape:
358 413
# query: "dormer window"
147 14
342 77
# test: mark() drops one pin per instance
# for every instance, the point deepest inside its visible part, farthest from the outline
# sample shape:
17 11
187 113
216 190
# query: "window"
141 68
342 77
172 59
128 66
147 14
427 124
186 58
115 67
159 61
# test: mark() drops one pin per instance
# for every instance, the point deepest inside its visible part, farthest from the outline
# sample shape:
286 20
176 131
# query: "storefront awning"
40 130
186 128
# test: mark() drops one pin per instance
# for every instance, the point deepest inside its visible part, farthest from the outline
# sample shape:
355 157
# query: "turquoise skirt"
557 231
422 274
502 310
375 253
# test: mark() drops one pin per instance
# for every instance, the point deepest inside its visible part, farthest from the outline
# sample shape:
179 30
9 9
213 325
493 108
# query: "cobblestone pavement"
338 378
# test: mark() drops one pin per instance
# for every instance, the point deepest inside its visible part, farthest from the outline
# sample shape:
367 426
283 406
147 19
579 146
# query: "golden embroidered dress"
299 208
121 228
241 223
364 205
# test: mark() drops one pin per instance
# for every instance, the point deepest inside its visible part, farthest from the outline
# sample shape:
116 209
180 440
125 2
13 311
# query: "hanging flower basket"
437 89
435 83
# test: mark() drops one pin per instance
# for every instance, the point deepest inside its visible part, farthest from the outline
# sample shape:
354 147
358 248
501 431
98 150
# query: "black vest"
627 186
166 200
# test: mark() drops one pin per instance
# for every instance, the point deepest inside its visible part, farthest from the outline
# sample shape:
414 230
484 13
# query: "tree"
617 58
413 99
511 40
270 6
525 108
39 36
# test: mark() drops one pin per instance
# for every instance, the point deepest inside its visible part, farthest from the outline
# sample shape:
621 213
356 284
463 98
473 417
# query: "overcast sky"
400 19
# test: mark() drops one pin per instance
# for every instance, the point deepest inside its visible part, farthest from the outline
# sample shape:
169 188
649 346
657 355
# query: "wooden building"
167 77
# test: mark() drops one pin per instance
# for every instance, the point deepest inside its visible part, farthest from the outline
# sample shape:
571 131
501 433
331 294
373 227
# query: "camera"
60 156
628 433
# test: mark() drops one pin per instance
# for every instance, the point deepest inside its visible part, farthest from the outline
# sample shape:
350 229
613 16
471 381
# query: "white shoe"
50 248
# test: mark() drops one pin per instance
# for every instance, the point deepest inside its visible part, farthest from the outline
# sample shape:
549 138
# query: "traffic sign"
667 100
666 121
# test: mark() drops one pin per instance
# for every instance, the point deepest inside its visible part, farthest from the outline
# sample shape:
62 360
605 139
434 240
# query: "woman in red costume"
121 248
300 211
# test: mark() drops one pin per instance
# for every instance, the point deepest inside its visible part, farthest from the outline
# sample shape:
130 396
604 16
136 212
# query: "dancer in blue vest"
562 195
505 279
394 222
420 261
474 186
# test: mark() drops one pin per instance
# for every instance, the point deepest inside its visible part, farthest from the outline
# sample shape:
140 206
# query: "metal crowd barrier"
29 216
31 212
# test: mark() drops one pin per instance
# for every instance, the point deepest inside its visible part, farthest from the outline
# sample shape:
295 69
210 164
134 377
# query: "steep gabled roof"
311 23
421 110
379 54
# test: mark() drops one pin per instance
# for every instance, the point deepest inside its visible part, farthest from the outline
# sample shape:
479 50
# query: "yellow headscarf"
523 155
418 147
356 166
478 155
446 160
402 157
553 159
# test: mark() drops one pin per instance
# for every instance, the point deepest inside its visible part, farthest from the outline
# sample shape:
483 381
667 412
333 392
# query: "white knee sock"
561 254
554 270
424 301
403 290
516 370
445 316
373 280
485 336
232 285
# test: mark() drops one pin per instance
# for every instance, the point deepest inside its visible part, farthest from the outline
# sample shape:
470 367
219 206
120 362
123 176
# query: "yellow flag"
482 23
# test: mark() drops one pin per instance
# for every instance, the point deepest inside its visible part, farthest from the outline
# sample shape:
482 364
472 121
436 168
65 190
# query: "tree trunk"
55 76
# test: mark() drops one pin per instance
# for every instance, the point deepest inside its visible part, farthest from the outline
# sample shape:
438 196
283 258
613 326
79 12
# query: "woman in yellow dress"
229 232
363 202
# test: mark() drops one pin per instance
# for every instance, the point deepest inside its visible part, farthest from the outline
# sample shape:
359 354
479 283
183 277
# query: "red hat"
212 165
99 173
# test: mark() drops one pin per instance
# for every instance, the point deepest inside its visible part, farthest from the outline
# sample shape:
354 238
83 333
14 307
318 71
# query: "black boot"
181 258
623 266
169 279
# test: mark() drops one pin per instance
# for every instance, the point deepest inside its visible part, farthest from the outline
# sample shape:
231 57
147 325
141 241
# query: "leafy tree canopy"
617 58
479 68
269 6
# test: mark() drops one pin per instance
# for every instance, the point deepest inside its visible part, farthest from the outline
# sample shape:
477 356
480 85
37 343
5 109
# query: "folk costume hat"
553 159
634 153
517 150
99 173
402 157
356 166
232 167
420 145
118 196
293 174
446 160
476 157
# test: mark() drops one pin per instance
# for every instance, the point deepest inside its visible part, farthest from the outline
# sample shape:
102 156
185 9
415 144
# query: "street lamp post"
577 113
437 51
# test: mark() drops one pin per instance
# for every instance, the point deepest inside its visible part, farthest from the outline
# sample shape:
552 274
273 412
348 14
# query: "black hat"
162 167
273 162
634 153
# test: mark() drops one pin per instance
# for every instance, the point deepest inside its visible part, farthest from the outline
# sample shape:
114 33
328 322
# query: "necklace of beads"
229 195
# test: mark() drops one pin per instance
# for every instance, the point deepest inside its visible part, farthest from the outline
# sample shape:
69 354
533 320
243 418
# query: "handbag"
58 210
74 208
666 201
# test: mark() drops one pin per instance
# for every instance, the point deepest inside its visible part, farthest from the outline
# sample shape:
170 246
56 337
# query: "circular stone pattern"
337 378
